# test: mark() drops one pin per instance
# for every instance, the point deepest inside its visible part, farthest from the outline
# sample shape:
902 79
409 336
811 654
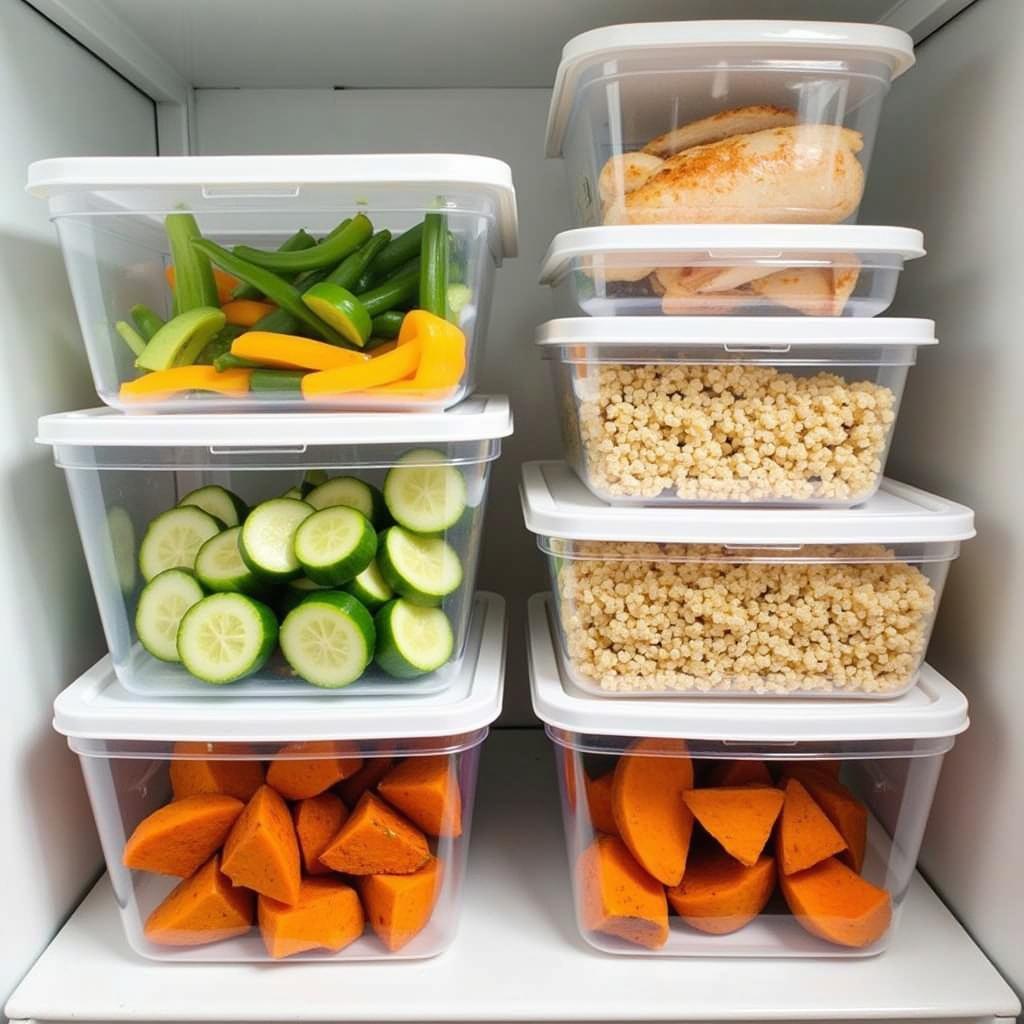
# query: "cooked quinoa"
733 432
633 620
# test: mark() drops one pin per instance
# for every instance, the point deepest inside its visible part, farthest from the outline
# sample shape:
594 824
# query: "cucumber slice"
421 569
370 588
424 492
219 502
268 538
174 538
162 605
355 493
338 307
295 493
313 478
219 565
121 531
412 641
226 637
328 639
293 593
335 544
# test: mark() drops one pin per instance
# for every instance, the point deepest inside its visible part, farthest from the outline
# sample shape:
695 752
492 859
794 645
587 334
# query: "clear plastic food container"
316 260
724 269
728 411
727 830
272 551
292 830
721 121
747 602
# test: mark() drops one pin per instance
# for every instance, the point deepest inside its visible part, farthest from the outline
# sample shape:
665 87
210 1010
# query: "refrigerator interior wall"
58 99
951 166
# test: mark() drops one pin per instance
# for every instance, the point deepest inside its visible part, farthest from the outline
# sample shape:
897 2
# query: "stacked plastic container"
281 516
731 661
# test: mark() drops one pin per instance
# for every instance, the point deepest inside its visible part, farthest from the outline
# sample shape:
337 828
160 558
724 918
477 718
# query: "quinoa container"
723 830
192 798
730 410
741 122
744 602
195 532
728 270
112 217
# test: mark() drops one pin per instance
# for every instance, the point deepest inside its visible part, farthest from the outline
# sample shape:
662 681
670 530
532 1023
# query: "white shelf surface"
518 956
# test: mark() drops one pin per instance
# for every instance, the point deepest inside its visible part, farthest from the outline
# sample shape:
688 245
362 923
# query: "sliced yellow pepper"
246 312
164 383
291 352
385 369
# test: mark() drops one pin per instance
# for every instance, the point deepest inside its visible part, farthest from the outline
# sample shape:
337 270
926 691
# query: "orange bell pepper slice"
291 352
385 369
226 283
164 383
443 361
246 312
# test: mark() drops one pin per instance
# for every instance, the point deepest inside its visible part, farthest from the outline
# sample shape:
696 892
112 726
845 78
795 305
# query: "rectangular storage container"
299 769
728 830
110 216
726 411
728 270
407 476
721 121
747 602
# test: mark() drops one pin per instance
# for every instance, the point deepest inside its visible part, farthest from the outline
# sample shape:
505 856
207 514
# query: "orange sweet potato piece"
190 776
799 769
718 895
836 904
262 852
647 801
599 800
178 838
318 820
741 818
373 770
805 835
618 897
426 791
375 840
327 915
739 773
299 778
398 907
846 812
203 908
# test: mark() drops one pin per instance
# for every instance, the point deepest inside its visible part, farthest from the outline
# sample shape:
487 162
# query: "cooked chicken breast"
844 280
739 121
805 289
623 173
727 278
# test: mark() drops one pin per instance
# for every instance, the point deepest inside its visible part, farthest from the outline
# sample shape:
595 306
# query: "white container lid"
556 504
97 707
781 333
822 40
727 241
933 709
481 418
270 175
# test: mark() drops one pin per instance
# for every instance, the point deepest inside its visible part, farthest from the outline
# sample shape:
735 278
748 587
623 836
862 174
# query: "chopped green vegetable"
302 239
399 252
387 325
434 265
131 337
330 251
194 284
351 269
147 322
220 344
181 339
400 288
338 307
229 361
459 297
276 380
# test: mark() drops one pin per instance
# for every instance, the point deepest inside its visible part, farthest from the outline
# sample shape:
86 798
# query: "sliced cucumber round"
293 593
328 639
424 492
370 588
423 570
219 502
174 538
219 565
268 538
335 544
226 637
355 493
313 478
121 531
162 605
411 640
295 493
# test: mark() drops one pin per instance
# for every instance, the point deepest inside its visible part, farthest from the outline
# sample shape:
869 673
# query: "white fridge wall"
58 100
949 161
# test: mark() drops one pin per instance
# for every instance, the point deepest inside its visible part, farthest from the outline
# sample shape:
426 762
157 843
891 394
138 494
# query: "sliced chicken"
624 173
620 272
727 278
805 289
844 280
739 121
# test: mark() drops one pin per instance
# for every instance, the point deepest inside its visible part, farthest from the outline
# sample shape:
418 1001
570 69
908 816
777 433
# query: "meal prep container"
124 472
137 753
725 269
701 410
721 121
814 867
110 212
751 602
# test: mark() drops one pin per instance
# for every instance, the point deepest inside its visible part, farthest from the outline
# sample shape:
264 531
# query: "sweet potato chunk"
398 907
846 812
317 821
618 897
262 852
190 776
739 817
800 769
178 838
739 773
326 915
599 801
373 770
647 801
426 791
375 840
203 908
805 835
836 904
718 895
298 778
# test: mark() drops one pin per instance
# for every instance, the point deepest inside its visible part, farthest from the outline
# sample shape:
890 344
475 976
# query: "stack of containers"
731 663
281 515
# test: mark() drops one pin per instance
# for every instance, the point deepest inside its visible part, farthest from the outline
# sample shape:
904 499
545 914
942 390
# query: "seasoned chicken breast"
738 121
623 173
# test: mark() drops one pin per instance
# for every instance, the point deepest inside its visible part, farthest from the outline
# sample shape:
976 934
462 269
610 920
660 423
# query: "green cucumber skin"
268 625
371 601
353 563
140 608
388 656
240 507
252 585
397 582
351 607
270 576
147 536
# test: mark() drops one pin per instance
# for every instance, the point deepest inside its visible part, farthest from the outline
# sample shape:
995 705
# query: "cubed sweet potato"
232 777
599 802
374 769
326 915
805 835
398 907
846 812
318 819
739 773
376 840
739 817
719 895
297 778
426 791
